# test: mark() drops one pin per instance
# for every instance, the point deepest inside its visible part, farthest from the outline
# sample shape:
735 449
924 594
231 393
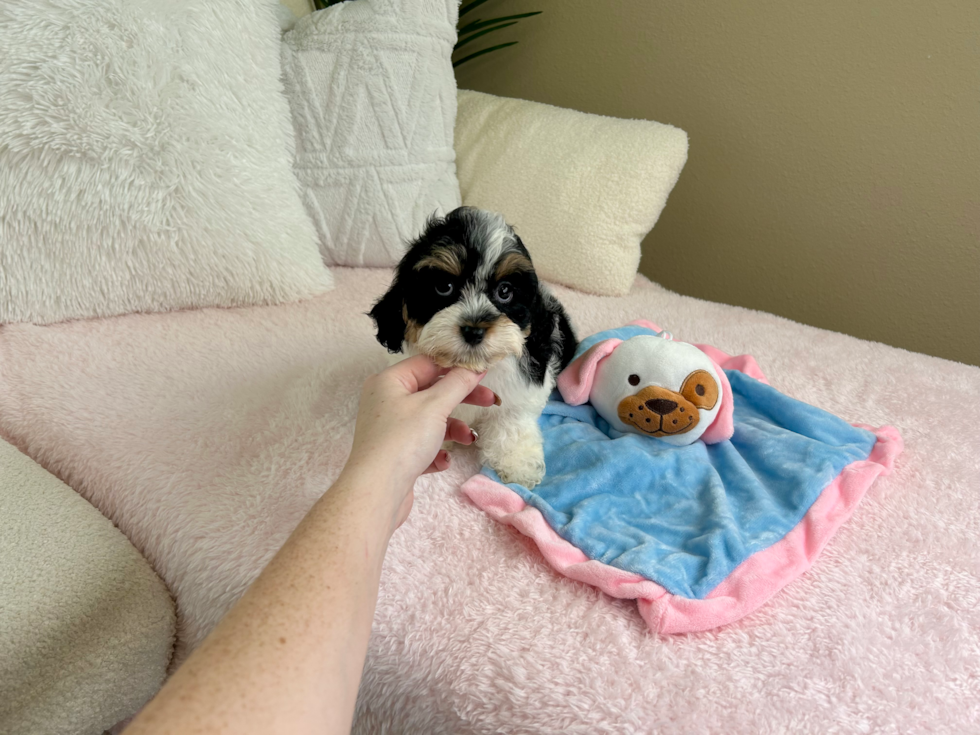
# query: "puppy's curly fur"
466 294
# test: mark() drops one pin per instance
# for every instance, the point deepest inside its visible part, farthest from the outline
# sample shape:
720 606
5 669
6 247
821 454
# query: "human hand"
403 419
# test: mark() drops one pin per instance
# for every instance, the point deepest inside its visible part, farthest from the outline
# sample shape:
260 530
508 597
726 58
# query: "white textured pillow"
373 97
581 190
145 153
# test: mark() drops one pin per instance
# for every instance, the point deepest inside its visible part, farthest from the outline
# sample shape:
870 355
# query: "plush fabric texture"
751 584
655 359
373 98
145 156
86 627
581 190
687 517
206 436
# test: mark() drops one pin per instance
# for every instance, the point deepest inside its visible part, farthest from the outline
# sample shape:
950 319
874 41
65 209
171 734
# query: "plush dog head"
650 385
465 293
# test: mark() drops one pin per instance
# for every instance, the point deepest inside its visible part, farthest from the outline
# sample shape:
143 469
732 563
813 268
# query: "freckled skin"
288 656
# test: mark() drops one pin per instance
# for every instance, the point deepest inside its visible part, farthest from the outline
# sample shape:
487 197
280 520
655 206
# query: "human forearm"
288 656
279 661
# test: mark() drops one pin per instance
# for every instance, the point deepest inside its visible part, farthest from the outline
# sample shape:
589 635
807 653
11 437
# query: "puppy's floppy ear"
388 318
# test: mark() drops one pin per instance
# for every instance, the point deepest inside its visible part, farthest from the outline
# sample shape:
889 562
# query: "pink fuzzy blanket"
206 435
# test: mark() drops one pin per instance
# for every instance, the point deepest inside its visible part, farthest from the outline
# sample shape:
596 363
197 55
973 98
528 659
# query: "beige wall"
299 7
834 171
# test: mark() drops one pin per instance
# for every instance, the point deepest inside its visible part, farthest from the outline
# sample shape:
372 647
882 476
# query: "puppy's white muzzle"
450 339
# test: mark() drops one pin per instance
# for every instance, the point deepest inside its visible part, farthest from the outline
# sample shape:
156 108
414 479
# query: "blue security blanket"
686 516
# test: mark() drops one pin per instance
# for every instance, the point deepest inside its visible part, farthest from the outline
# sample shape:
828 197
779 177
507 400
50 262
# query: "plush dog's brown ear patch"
513 263
700 389
447 258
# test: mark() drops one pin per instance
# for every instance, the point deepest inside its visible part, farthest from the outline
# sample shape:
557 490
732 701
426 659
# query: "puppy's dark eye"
634 379
444 289
504 293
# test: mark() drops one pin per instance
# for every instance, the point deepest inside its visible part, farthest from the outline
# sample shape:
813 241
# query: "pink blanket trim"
749 585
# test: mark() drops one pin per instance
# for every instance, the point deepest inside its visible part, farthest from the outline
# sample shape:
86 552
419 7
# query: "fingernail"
496 399
475 436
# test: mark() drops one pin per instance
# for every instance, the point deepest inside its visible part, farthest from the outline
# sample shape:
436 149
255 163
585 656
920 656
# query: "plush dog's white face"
465 294
656 387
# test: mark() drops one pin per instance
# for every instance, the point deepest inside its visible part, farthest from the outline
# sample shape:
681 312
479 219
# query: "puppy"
466 294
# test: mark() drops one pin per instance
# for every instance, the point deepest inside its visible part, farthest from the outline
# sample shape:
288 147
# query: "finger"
455 385
416 373
457 431
482 396
440 463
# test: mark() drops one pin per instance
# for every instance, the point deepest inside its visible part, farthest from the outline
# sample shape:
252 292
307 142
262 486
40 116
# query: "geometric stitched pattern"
373 99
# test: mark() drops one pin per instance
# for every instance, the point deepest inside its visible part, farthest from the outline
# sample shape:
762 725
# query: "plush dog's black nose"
473 335
661 406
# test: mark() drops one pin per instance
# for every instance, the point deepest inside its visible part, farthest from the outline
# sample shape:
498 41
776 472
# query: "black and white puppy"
466 294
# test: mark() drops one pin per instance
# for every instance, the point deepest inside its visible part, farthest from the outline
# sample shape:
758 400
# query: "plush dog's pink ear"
644 323
723 426
575 381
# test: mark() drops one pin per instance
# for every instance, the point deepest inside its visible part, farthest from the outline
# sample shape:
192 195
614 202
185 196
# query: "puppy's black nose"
661 406
473 335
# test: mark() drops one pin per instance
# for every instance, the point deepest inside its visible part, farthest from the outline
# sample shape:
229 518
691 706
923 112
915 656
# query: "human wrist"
370 470
378 486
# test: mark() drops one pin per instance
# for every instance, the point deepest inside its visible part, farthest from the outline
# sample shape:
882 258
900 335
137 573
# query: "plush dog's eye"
444 289
504 293
634 379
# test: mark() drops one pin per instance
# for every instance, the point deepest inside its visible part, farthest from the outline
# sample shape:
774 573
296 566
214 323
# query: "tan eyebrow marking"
448 258
412 331
412 328
513 263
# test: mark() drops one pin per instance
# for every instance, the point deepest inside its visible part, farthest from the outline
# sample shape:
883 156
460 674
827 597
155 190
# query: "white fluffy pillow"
581 190
373 97
145 153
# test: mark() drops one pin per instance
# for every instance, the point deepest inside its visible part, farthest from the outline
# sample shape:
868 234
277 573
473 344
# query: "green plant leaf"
484 32
483 51
470 6
478 24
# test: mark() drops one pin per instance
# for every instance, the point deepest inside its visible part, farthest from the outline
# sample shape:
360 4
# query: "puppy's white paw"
523 464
